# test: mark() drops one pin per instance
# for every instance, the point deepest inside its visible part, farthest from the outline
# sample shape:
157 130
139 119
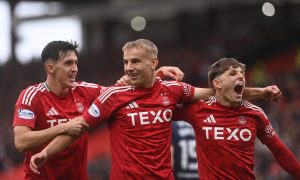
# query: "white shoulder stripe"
25 94
175 83
41 88
172 85
30 93
211 100
253 107
85 84
111 91
28 96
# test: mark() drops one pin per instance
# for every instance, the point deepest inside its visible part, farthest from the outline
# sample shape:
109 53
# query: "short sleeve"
185 112
25 111
104 105
188 92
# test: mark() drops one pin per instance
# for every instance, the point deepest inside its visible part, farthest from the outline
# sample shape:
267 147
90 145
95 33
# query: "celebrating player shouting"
226 127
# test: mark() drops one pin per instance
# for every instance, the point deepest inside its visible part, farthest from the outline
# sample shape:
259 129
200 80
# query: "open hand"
37 161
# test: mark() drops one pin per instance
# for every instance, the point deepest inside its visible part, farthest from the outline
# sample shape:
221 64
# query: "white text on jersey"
218 133
144 117
55 122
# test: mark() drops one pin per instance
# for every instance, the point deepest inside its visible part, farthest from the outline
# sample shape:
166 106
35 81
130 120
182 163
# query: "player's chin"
71 84
237 101
137 84
237 98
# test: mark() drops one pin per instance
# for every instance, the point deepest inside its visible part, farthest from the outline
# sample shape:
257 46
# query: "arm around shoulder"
202 93
269 93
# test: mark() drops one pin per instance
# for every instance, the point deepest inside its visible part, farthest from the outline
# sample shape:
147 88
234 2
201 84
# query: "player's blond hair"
144 44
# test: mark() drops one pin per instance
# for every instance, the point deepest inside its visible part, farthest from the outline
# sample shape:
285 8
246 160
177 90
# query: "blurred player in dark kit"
184 160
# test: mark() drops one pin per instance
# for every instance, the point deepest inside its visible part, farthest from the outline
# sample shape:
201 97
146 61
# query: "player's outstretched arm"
27 139
285 158
202 93
269 93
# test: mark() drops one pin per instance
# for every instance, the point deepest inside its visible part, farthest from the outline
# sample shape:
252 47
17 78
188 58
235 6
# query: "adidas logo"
132 105
52 112
210 119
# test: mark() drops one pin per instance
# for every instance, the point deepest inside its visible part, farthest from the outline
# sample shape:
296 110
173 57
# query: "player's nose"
75 68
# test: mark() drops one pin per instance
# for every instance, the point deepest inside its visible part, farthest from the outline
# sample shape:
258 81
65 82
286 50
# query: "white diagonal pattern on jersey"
52 111
85 84
25 94
41 88
135 104
172 83
210 119
211 100
111 91
256 108
30 93
132 105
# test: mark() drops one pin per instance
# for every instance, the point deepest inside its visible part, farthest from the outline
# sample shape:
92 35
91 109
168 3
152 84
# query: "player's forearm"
252 93
285 158
203 93
29 140
288 162
58 144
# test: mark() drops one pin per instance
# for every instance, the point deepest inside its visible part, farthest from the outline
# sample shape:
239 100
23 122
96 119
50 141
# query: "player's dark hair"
55 49
221 66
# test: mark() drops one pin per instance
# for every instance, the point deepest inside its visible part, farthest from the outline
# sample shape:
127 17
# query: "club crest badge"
165 101
79 107
242 120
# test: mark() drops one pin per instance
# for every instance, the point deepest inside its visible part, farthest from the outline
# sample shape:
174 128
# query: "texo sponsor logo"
218 133
145 117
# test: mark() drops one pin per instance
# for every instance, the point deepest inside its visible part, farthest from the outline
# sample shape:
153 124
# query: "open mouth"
238 88
132 75
72 77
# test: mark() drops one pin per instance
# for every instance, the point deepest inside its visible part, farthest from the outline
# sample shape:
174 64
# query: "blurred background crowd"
190 34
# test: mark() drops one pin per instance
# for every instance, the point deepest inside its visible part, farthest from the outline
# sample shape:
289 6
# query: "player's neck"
56 88
148 84
223 100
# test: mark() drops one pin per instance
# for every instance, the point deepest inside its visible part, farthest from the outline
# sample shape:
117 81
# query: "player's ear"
49 66
217 84
155 63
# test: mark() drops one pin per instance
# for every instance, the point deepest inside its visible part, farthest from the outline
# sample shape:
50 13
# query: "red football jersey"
225 137
38 108
140 129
